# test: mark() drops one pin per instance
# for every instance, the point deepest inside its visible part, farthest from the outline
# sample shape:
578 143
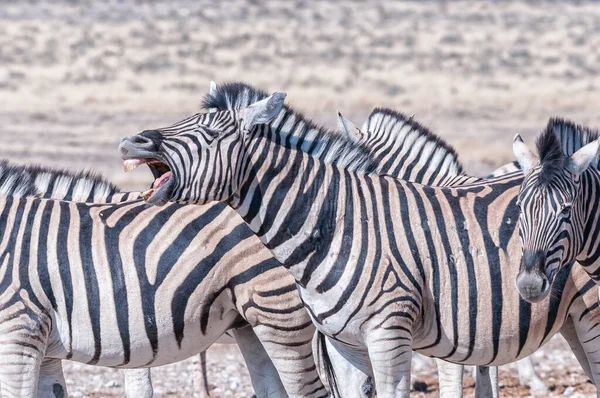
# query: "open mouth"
163 184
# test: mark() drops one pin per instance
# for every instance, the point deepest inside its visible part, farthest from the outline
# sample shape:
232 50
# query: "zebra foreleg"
587 330
391 356
22 347
486 381
138 383
264 375
355 383
51 379
570 334
450 377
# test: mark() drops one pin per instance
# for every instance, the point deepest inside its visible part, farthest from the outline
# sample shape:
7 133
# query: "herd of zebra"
323 254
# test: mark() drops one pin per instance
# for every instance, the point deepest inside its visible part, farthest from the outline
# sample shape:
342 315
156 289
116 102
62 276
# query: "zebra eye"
565 210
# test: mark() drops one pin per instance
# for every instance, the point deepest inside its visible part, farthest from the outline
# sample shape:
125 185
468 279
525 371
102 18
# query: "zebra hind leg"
52 379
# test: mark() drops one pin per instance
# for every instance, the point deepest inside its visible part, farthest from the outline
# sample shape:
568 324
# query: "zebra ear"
212 91
349 128
524 156
263 111
578 162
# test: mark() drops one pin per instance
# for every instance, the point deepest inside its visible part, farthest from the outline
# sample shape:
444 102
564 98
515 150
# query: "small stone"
112 384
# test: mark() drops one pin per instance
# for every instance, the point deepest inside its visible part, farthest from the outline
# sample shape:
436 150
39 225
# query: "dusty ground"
75 78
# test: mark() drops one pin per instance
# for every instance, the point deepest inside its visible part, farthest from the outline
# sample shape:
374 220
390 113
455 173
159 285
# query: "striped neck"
290 201
589 255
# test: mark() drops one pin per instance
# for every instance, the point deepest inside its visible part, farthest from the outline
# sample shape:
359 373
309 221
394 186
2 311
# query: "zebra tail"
323 355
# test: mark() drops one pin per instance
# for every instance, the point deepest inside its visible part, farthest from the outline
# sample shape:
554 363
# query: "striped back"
403 148
508 168
45 182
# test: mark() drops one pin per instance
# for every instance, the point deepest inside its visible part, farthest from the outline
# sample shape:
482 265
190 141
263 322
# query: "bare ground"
76 77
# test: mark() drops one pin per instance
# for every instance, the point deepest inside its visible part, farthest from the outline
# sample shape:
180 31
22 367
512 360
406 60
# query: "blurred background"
75 77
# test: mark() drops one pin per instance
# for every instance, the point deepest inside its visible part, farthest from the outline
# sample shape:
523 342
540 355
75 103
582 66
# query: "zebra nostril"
544 284
137 139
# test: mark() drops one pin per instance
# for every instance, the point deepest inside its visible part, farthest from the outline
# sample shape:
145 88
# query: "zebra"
558 207
246 159
86 186
104 335
395 139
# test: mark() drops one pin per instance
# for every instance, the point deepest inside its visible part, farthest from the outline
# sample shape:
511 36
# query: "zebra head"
199 159
552 209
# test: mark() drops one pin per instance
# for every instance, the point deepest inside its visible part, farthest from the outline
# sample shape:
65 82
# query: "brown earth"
76 77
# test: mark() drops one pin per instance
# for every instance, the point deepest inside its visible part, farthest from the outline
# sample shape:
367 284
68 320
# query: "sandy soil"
75 78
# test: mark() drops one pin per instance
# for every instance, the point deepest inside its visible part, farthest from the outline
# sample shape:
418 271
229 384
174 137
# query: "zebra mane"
432 150
46 182
550 152
293 129
572 136
560 139
232 95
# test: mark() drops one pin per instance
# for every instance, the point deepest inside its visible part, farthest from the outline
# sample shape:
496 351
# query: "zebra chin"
532 286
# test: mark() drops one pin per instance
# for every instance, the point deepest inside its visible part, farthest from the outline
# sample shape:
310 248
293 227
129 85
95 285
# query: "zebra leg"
24 332
201 378
528 376
486 381
587 329
570 334
355 384
450 378
138 383
264 375
391 356
52 380
293 360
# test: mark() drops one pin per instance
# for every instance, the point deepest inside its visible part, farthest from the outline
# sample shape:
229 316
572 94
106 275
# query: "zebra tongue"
161 180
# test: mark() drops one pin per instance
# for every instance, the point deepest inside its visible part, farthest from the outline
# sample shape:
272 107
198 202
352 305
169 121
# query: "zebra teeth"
146 194
131 164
